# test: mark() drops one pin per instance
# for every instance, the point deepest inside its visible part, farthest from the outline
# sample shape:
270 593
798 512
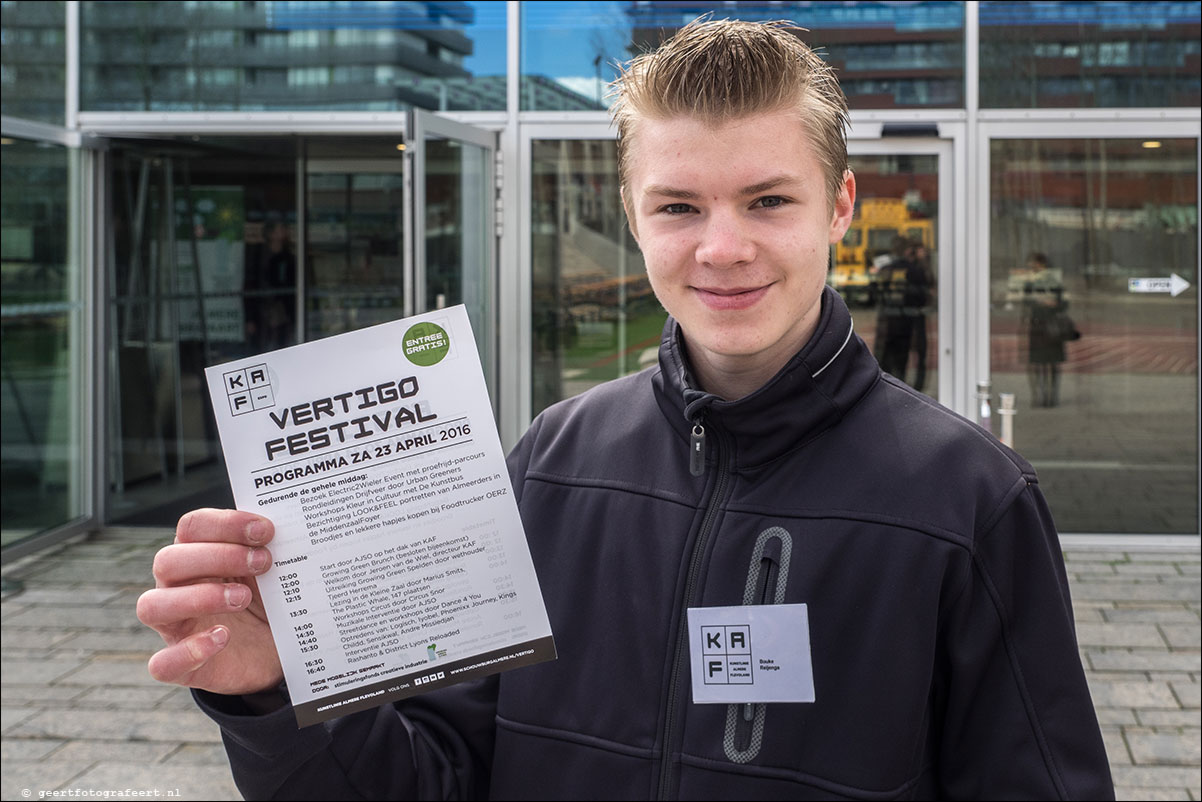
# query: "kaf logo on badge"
726 652
249 389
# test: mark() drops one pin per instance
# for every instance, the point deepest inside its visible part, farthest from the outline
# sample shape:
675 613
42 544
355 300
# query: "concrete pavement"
80 714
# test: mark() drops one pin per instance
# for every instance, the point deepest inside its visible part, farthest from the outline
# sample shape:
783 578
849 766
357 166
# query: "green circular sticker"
426 344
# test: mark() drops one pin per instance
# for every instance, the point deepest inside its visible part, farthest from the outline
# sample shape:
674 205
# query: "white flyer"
399 560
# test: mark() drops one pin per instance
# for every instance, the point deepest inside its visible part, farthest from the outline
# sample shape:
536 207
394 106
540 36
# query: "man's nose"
725 241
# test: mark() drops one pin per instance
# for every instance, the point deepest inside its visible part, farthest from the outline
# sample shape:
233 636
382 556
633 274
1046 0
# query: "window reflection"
1089 54
202 269
889 55
33 78
595 317
886 264
169 56
1105 377
42 348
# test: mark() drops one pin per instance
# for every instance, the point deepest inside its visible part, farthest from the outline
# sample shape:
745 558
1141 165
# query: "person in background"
1044 313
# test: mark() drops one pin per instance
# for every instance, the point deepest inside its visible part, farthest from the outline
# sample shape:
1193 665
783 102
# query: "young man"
766 460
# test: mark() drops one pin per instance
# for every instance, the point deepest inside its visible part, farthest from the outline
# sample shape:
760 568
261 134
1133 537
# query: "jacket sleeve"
433 746
1018 721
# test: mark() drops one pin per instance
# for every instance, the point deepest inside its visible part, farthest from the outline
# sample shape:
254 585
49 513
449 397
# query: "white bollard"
1007 412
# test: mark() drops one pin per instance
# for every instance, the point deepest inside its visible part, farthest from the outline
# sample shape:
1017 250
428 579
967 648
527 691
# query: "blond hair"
719 70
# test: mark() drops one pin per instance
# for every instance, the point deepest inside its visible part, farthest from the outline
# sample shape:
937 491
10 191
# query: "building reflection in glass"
1109 418
595 317
1090 54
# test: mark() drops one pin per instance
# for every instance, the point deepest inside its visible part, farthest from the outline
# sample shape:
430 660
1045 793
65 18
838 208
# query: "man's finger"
164 607
183 563
228 526
177 663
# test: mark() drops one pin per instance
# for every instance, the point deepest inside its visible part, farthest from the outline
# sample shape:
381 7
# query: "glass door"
454 213
893 267
354 241
1093 318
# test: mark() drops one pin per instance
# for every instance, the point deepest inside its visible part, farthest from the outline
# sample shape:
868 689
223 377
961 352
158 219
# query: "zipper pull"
697 450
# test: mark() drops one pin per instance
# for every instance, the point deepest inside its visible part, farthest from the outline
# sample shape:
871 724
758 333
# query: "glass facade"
1090 54
292 55
41 462
201 270
594 316
889 55
886 265
1105 376
213 237
33 60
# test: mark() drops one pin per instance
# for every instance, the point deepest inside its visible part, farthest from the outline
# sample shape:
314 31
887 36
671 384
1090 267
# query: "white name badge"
751 653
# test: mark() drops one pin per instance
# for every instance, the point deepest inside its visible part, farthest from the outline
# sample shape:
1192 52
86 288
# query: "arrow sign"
1174 285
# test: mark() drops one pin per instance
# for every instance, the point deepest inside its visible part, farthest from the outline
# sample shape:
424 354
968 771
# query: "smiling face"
735 226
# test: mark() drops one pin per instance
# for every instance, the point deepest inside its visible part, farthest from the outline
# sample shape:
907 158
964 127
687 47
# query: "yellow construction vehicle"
874 231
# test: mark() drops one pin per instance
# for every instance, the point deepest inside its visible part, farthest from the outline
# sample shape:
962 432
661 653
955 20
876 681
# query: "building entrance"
222 247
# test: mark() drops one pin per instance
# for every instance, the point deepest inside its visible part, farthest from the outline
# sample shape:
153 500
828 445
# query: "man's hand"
206 605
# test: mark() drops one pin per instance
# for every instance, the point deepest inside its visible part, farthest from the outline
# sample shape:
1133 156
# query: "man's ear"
844 207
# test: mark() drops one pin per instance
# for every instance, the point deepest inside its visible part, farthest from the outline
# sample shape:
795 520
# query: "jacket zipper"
696 458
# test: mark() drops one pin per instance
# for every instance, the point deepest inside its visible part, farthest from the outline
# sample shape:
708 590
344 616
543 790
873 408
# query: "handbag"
1061 327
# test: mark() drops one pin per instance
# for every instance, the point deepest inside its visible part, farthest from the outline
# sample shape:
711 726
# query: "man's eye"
771 201
678 208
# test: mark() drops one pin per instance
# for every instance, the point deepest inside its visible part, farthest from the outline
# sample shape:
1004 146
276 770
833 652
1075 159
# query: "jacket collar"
811 393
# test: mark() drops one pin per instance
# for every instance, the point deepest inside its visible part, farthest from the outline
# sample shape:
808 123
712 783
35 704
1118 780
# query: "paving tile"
1088 556
23 779
1182 636
147 725
1133 694
1108 634
33 639
1115 716
1143 660
183 781
75 618
109 670
1168 718
1154 615
1164 556
1135 794
27 749
1189 694
35 672
1182 749
85 753
1154 777
200 755
33 695
144 641
1116 747
137 698
73 595
1146 569
1138 591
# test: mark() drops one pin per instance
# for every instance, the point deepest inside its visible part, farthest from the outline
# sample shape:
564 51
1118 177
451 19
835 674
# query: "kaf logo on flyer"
249 389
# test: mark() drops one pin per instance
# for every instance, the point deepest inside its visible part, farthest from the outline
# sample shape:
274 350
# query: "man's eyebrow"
687 194
670 192
764 186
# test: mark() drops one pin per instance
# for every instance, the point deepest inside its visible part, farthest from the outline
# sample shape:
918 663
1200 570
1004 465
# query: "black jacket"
944 657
